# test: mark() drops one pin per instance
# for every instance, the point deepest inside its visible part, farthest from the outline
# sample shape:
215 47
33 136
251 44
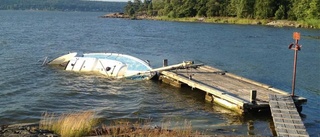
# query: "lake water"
261 53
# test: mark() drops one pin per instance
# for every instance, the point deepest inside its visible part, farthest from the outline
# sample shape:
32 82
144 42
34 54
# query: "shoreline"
34 130
220 20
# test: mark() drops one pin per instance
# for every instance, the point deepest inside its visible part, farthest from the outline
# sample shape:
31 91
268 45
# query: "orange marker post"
296 35
296 48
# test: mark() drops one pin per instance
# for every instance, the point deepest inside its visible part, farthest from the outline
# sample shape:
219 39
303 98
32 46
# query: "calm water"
258 52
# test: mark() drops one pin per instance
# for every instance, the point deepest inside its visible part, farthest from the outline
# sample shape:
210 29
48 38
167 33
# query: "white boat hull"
112 65
62 59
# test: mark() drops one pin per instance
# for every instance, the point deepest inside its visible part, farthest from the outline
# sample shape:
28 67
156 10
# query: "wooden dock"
226 89
285 116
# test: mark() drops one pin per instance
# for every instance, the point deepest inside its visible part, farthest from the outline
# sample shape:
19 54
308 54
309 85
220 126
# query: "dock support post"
209 97
170 81
165 62
253 96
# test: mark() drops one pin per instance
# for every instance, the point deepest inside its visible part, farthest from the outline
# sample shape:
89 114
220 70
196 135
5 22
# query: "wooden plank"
285 116
284 107
238 88
293 133
294 126
287 106
211 90
284 112
212 69
287 121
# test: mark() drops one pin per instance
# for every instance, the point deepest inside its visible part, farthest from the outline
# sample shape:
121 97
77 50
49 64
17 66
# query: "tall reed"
69 125
83 124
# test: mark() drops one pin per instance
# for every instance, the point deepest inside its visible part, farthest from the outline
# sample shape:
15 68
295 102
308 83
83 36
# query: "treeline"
253 9
62 5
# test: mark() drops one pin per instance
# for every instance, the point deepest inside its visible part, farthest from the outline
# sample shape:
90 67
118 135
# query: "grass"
310 23
83 124
231 20
69 125
145 129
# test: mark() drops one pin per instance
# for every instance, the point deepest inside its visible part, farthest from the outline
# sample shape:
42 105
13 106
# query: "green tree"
171 8
201 8
150 9
137 4
144 5
260 9
263 9
224 7
129 9
283 6
314 10
213 8
300 8
168 8
232 8
249 8
187 9
241 8
280 13
157 4
290 14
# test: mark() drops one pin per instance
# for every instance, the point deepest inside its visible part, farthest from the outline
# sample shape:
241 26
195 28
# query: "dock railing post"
253 96
165 62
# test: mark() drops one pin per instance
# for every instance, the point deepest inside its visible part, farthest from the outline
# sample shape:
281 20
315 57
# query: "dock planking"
226 89
285 116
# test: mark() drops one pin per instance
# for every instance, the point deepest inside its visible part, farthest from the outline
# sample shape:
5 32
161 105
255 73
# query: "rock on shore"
283 23
115 15
25 130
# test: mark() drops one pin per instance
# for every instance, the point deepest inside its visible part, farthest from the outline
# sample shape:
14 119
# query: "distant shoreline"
223 20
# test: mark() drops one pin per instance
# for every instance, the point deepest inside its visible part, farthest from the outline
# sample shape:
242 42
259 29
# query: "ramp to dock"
285 116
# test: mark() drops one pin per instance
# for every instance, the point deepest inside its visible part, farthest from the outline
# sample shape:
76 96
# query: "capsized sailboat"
113 65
